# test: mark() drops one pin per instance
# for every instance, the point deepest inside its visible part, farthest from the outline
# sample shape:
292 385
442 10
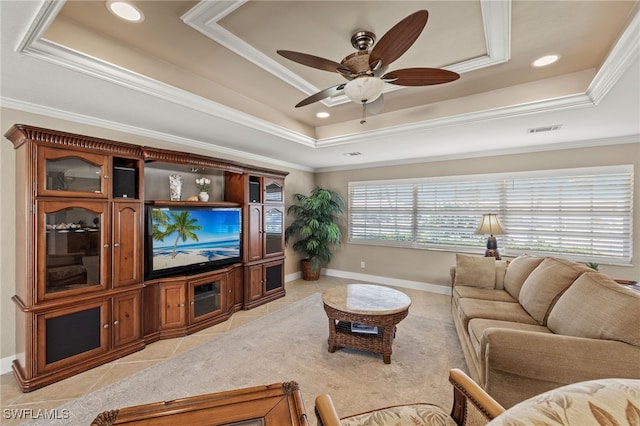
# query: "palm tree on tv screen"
183 225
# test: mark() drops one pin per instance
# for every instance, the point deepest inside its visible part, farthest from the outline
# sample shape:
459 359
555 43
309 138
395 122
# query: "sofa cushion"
518 271
413 414
594 402
475 271
501 270
477 326
482 293
546 283
597 307
490 309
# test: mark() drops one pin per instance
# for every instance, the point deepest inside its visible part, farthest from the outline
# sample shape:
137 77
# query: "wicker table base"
383 317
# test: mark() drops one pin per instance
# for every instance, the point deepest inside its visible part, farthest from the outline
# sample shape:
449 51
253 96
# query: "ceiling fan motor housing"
363 40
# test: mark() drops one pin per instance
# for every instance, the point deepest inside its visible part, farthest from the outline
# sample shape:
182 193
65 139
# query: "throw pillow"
475 271
596 307
546 283
518 271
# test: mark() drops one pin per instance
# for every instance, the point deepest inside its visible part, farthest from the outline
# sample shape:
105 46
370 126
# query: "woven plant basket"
309 274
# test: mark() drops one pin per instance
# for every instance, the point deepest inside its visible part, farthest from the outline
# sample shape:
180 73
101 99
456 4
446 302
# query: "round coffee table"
364 317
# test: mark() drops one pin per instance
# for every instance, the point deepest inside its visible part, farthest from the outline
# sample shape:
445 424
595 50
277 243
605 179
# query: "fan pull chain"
364 113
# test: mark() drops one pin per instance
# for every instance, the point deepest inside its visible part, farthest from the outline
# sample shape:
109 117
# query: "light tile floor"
14 403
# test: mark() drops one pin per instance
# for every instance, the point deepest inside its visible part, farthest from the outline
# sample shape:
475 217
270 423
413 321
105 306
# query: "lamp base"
492 253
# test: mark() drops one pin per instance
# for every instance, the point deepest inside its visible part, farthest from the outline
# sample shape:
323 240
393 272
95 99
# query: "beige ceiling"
207 72
165 48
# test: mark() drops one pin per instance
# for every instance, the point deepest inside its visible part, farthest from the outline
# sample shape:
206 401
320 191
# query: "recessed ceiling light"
323 114
545 60
125 11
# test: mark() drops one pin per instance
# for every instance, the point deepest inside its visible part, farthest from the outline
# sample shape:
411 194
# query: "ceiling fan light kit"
366 69
364 89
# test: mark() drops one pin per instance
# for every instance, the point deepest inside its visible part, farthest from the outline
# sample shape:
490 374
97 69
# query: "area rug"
291 344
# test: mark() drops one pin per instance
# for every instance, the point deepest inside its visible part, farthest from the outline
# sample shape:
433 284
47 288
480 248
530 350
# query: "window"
586 214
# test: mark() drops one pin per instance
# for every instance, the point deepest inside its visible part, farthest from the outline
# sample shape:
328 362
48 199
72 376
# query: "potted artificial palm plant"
315 228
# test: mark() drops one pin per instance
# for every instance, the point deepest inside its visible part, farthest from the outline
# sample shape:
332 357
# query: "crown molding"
139 131
625 52
591 143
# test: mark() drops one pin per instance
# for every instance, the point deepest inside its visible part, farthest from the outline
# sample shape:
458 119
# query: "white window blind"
586 214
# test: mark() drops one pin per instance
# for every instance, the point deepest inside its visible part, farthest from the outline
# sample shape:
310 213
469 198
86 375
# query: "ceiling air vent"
352 154
545 128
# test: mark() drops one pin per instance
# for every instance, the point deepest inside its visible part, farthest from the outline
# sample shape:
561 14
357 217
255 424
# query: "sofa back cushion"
597 307
546 283
518 271
475 271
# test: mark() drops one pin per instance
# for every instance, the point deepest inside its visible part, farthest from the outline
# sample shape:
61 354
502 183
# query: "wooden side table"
364 317
278 404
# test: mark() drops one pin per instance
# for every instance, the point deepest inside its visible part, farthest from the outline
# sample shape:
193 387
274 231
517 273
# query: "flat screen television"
185 240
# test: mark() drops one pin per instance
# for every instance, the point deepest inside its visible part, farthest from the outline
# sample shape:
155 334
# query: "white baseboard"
376 279
292 277
5 364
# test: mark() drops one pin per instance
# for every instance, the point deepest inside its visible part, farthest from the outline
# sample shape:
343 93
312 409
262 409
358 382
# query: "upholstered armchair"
595 402
465 390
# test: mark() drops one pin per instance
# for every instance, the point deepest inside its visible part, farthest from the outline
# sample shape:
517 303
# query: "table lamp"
489 224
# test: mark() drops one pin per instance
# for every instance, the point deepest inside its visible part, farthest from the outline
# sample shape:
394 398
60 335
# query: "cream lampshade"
489 224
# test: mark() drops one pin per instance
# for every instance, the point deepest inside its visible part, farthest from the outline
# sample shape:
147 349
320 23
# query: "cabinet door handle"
116 322
105 326
106 176
116 244
106 246
181 305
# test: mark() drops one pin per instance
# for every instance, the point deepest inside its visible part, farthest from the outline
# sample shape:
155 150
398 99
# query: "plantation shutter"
380 212
585 214
448 212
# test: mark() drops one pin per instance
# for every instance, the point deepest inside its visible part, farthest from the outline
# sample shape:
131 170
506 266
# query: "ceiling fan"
366 69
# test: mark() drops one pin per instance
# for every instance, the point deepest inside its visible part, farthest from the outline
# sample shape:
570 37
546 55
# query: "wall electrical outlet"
362 264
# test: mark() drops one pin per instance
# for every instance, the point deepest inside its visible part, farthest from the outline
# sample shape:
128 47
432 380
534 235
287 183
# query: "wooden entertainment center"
81 294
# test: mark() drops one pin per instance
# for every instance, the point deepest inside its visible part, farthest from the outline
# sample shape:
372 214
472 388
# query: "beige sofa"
535 324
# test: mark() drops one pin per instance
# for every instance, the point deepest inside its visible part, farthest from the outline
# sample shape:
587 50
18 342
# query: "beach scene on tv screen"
186 237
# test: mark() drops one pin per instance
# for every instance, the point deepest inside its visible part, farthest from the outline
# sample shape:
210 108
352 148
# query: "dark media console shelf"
81 293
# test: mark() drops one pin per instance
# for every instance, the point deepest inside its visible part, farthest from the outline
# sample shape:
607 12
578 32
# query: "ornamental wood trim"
176 157
20 133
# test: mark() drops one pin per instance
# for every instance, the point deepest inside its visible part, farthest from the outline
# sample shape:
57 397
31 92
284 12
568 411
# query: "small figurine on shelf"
203 184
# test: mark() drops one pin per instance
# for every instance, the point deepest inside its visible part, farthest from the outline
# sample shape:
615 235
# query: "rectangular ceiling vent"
545 129
352 154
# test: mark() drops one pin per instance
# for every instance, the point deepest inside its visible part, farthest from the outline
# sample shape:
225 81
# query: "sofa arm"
535 362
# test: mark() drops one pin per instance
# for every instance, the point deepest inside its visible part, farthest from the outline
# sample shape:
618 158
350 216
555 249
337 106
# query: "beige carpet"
291 344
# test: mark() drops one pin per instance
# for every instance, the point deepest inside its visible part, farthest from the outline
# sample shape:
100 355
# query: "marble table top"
366 299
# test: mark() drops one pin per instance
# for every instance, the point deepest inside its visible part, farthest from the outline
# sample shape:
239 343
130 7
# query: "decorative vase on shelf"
203 196
175 187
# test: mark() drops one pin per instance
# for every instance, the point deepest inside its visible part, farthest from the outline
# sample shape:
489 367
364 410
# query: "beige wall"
296 181
429 266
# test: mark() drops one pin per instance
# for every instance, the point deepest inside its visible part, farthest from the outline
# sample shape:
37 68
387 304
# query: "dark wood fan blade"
420 76
399 38
313 61
326 93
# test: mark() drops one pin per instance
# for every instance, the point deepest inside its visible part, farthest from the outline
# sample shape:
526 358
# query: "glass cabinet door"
273 231
273 190
71 173
73 249
206 297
